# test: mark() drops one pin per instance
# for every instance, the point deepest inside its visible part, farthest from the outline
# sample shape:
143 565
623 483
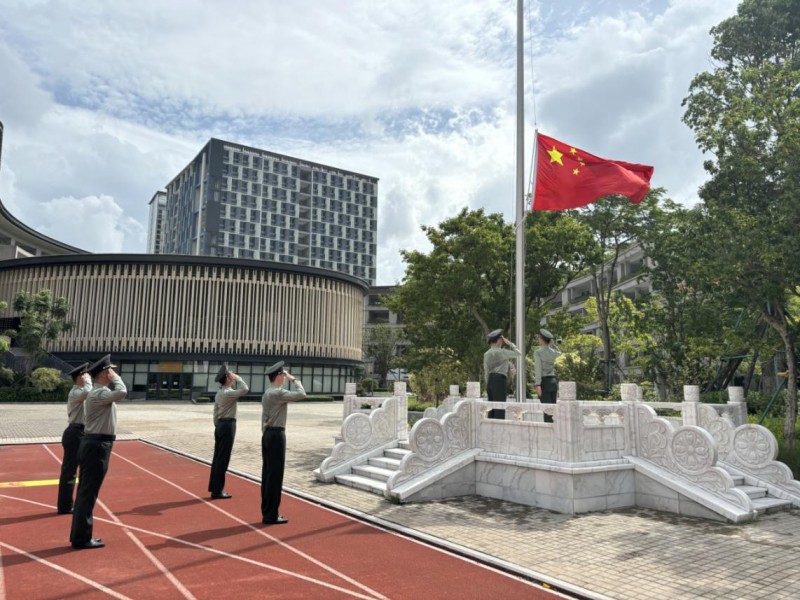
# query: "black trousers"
93 457
273 457
497 391
549 393
71 442
224 434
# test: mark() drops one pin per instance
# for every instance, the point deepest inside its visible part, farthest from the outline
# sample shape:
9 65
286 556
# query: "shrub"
416 405
45 379
367 386
30 394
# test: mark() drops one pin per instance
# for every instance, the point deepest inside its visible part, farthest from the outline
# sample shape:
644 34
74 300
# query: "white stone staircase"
373 475
762 501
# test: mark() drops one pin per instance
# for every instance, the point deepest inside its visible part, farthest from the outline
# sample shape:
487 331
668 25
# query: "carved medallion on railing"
754 450
719 426
692 451
361 432
689 451
432 442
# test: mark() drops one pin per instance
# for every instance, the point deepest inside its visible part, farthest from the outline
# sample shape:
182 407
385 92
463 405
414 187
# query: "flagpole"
520 222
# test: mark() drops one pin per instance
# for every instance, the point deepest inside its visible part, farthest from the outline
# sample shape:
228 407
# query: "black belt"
274 428
548 376
75 426
103 437
227 420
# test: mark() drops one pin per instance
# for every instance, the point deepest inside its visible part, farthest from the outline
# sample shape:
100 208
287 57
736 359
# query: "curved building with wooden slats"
170 321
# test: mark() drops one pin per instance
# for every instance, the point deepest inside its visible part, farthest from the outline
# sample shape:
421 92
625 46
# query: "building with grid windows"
234 201
155 225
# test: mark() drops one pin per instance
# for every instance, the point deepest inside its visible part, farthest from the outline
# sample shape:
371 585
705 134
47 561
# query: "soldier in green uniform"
273 440
225 404
496 364
100 415
71 438
545 375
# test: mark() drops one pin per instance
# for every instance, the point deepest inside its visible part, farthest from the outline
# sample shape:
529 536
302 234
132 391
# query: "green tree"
380 347
42 319
452 296
432 381
5 341
628 334
746 113
615 224
692 326
580 362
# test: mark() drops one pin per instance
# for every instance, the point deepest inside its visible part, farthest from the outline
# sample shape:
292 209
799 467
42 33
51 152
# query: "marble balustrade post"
691 405
568 424
737 405
631 395
401 414
350 400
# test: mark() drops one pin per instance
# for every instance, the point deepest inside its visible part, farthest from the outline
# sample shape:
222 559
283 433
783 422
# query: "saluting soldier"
225 405
273 439
100 416
496 364
544 372
71 438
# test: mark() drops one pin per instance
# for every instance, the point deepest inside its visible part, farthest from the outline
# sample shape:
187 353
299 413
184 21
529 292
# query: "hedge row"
10 394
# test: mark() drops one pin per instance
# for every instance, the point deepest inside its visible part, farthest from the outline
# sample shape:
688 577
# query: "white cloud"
103 104
96 222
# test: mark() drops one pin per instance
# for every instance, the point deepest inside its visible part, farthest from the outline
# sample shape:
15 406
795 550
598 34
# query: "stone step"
753 491
770 504
362 483
398 453
377 473
385 462
738 480
404 444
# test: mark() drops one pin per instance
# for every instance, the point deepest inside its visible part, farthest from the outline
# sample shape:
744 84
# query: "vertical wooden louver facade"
196 307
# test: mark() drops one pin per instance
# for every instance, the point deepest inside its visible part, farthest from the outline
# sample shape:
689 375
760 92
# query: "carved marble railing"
449 403
351 403
746 449
365 435
434 442
688 451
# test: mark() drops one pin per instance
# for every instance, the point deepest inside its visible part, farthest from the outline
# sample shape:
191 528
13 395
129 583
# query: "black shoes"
279 521
221 496
66 512
95 543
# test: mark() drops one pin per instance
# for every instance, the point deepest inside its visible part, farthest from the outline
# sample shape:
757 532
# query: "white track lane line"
67 572
283 544
250 561
2 580
150 556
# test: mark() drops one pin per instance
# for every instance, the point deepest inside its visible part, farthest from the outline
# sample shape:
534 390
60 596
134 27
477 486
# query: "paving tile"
663 556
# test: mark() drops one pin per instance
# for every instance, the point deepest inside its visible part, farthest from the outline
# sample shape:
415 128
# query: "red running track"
166 539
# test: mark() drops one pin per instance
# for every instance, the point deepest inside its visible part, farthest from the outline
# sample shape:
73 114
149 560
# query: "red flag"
567 177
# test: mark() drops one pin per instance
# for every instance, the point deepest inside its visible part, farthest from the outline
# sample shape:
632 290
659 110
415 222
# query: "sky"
103 103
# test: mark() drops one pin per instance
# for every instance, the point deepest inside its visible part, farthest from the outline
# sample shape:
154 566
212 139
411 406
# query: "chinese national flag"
567 177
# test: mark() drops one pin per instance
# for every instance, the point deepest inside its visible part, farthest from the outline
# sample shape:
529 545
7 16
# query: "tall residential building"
155 225
240 202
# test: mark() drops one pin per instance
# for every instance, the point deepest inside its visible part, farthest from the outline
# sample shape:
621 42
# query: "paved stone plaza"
631 554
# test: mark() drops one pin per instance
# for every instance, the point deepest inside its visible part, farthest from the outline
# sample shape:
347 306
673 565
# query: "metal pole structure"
522 380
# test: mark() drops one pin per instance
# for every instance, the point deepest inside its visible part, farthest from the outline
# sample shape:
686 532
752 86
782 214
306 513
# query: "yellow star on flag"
555 156
573 151
575 171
